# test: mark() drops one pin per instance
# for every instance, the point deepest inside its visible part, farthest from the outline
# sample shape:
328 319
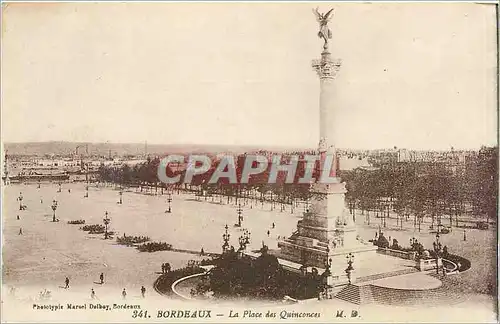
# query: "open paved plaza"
47 252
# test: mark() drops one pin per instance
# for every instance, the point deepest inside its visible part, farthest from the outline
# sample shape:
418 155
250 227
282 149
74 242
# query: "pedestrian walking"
143 292
465 236
18 217
20 231
268 233
92 293
163 268
202 252
274 225
66 282
124 294
101 277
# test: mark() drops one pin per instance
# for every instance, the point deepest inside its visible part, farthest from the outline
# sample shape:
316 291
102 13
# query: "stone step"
359 295
366 295
386 275
350 293
444 295
447 294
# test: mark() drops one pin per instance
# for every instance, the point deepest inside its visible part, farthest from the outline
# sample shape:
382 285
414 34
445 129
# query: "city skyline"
61 148
112 73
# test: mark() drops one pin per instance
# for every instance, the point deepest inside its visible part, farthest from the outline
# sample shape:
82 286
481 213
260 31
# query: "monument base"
315 253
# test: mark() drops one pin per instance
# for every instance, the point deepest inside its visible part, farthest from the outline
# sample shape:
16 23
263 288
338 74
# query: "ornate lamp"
239 210
106 221
225 238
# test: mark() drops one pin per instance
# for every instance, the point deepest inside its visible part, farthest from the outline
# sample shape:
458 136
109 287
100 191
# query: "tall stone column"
326 231
327 69
327 205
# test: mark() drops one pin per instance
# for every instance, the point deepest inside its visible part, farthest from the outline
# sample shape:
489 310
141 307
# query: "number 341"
140 314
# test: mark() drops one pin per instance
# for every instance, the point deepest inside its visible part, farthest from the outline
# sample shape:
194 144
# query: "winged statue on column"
324 32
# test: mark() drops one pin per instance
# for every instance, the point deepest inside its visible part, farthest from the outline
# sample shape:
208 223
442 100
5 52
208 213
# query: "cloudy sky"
413 75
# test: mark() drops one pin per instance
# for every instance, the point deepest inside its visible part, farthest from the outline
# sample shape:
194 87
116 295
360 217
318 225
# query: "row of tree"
146 175
432 189
417 189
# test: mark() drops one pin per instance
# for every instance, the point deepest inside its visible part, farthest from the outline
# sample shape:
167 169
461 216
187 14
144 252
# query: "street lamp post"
106 221
350 268
169 200
20 198
54 207
437 251
239 210
225 238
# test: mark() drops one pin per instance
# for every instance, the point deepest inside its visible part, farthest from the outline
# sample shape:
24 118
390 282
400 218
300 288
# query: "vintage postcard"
238 162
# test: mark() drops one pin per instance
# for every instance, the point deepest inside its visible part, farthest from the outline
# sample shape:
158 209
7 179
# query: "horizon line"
281 146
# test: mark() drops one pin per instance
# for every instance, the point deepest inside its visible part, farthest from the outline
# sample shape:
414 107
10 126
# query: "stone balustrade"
428 264
398 254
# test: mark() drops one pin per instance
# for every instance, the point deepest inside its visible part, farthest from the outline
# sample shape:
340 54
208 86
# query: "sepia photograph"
247 162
